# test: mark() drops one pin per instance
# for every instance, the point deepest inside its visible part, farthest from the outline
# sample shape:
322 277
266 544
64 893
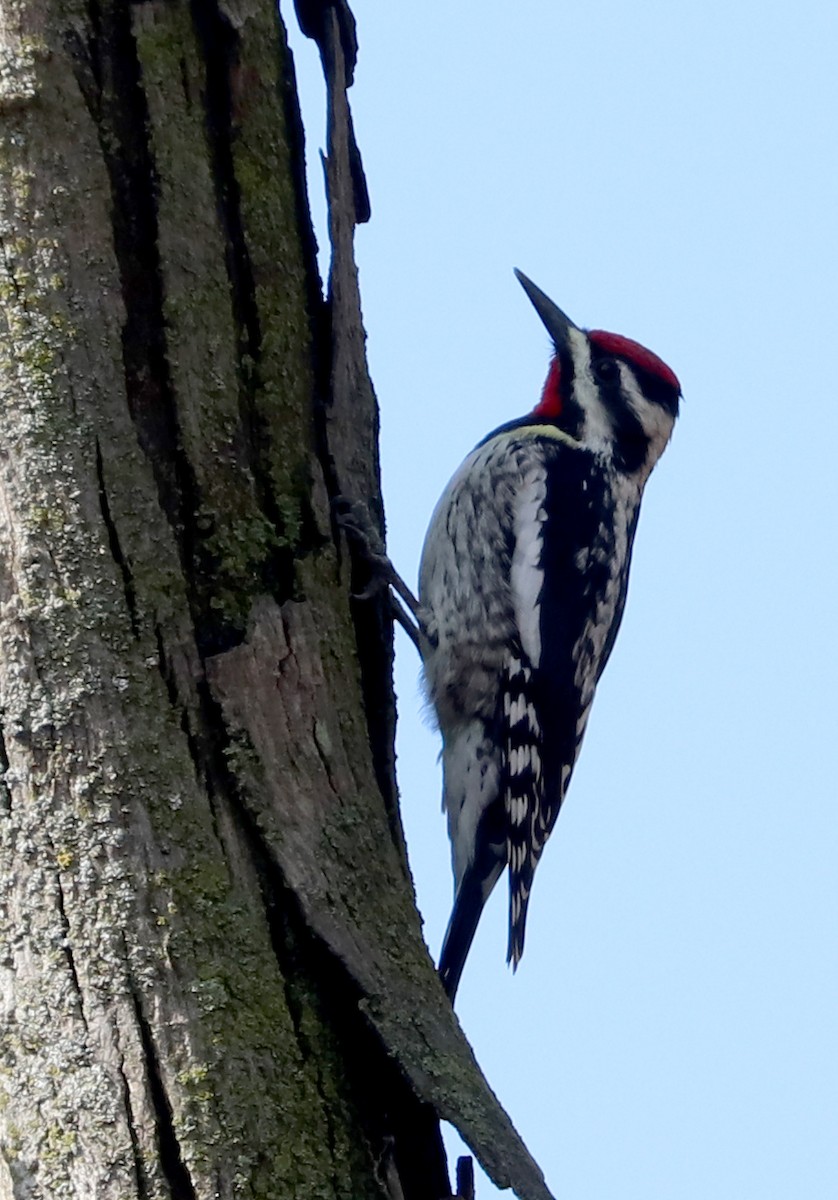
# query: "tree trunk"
212 977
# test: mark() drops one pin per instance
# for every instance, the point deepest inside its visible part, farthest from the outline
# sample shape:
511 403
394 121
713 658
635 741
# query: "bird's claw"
354 519
376 584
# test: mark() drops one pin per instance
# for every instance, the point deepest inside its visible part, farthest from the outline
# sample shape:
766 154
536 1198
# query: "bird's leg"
413 628
354 519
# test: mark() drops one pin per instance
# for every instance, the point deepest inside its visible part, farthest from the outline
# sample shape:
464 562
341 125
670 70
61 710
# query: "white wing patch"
527 574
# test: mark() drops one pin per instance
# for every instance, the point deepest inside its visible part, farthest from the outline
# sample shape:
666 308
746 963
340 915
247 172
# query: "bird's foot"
355 520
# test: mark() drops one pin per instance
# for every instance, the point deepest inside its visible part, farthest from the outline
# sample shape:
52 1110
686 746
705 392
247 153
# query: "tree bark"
212 976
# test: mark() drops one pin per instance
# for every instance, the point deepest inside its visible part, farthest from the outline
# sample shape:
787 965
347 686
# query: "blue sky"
667 172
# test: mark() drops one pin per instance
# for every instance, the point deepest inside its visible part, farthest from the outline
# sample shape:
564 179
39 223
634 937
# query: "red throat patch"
613 343
550 404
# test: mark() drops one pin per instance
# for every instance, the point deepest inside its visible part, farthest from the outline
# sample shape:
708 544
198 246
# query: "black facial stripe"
631 443
656 389
573 416
568 372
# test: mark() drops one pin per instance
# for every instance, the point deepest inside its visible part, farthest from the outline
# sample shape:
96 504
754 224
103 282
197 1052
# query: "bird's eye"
605 370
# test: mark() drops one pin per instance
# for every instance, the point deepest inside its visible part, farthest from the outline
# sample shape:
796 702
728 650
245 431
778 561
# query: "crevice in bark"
286 927
166 672
195 755
115 548
319 310
299 957
67 947
143 1190
109 75
211 768
321 339
5 791
182 710
405 1122
219 42
314 979
406 1125
325 761
220 46
172 1165
342 384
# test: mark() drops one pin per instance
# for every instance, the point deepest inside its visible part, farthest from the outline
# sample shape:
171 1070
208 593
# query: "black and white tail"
523 795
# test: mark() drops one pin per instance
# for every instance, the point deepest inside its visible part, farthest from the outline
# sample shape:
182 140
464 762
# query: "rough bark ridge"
212 977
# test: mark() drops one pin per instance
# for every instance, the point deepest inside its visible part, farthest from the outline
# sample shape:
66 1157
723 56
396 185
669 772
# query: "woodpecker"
522 585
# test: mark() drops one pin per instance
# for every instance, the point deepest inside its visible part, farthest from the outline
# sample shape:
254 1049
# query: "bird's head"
606 391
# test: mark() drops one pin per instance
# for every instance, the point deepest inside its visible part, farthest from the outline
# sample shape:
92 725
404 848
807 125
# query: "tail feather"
528 819
518 904
472 895
459 936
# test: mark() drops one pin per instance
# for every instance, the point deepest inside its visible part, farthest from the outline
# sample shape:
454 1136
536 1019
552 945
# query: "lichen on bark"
140 1055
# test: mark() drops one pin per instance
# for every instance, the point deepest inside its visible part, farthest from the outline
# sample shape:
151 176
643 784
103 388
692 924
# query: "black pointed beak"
555 321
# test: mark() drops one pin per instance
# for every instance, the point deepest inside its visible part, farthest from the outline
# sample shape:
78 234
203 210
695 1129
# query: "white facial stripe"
656 421
597 434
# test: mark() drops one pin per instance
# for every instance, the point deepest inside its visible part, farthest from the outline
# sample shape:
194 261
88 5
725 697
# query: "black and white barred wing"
545 695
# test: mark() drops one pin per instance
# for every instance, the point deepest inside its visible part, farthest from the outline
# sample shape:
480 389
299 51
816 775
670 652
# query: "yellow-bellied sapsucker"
522 585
